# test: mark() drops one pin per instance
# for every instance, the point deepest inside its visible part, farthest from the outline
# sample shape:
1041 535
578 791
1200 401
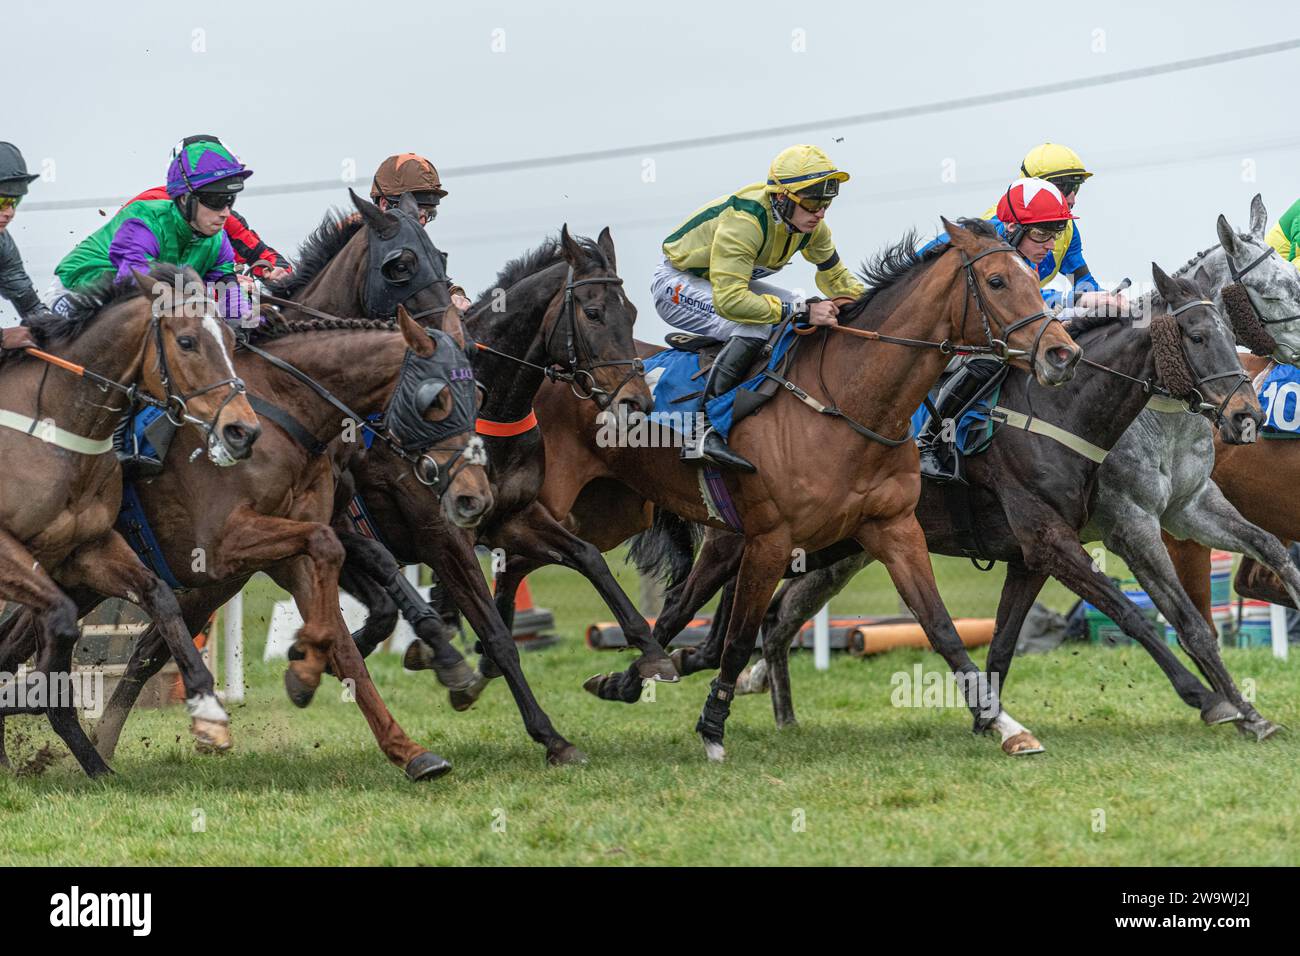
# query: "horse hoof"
462 699
713 750
210 736
659 668
418 657
1021 745
458 677
297 689
1260 729
567 754
784 722
1221 712
752 680
594 683
427 766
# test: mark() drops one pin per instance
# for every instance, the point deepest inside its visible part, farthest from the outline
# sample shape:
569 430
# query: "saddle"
746 402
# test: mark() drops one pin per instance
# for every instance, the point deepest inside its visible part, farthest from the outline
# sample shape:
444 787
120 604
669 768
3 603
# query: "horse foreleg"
108 566
900 545
1019 591
300 579
147 659
1191 561
249 542
535 535
457 568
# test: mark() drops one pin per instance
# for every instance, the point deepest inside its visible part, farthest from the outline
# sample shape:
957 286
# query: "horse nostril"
239 437
469 504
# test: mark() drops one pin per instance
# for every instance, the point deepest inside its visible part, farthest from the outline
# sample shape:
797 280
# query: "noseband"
1237 276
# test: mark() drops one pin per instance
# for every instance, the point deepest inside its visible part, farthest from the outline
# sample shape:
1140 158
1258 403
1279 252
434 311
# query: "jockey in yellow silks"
710 283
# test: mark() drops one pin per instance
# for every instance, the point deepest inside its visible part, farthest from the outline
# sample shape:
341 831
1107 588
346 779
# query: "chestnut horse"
63 484
275 516
845 466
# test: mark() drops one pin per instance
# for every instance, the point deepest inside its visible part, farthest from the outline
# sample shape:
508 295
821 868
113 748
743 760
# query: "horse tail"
667 549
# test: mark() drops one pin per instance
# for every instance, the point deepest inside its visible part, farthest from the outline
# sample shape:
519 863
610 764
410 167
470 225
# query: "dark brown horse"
63 484
818 482
556 312
274 515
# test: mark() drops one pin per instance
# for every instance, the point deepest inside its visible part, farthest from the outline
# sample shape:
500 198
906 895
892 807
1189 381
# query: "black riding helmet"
14 176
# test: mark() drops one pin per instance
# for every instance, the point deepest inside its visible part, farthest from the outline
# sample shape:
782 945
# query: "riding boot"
940 459
728 371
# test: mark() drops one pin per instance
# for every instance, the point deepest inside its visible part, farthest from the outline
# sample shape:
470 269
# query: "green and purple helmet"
201 163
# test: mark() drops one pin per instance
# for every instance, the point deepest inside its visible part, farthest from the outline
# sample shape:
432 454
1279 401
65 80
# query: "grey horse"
1157 475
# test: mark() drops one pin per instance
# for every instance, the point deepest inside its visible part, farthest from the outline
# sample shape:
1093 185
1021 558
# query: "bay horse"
63 484
275 516
1029 497
556 313
818 482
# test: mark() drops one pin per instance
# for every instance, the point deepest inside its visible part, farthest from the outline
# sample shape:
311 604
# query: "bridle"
1238 275
577 362
996 348
174 405
1195 399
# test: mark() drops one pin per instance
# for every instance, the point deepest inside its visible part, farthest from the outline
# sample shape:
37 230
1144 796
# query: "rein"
996 348
577 353
174 405
420 463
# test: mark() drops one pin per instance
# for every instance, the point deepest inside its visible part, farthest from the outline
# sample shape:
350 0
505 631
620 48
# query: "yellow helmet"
797 168
1050 160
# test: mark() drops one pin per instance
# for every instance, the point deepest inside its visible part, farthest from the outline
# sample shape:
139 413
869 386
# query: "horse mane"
85 305
325 242
894 263
278 328
547 254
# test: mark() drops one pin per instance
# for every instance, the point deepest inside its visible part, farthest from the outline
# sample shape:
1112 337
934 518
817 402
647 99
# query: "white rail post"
232 621
1277 625
822 639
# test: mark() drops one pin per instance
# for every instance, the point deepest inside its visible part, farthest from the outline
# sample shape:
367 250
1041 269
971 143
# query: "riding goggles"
1068 184
1049 233
9 202
216 201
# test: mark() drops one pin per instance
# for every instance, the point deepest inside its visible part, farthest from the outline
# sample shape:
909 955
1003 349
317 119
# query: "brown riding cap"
405 173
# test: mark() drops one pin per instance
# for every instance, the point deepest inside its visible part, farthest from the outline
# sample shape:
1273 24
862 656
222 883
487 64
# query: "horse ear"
150 287
1227 238
573 253
606 243
375 218
409 206
1164 285
452 326
417 340
959 236
1258 217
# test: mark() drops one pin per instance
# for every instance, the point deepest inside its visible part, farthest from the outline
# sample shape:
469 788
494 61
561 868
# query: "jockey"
1032 216
1285 235
408 173
15 285
1062 167
267 264
708 280
187 229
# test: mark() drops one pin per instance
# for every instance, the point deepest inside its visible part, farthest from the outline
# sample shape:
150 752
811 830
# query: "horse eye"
996 282
1197 338
187 343
593 314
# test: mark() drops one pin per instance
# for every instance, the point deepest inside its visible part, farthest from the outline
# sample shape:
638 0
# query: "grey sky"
300 93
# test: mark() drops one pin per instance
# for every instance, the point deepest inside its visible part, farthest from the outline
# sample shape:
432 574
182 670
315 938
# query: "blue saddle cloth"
135 426
670 376
974 430
1279 396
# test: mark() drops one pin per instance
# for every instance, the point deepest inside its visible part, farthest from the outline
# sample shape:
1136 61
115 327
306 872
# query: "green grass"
873 783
